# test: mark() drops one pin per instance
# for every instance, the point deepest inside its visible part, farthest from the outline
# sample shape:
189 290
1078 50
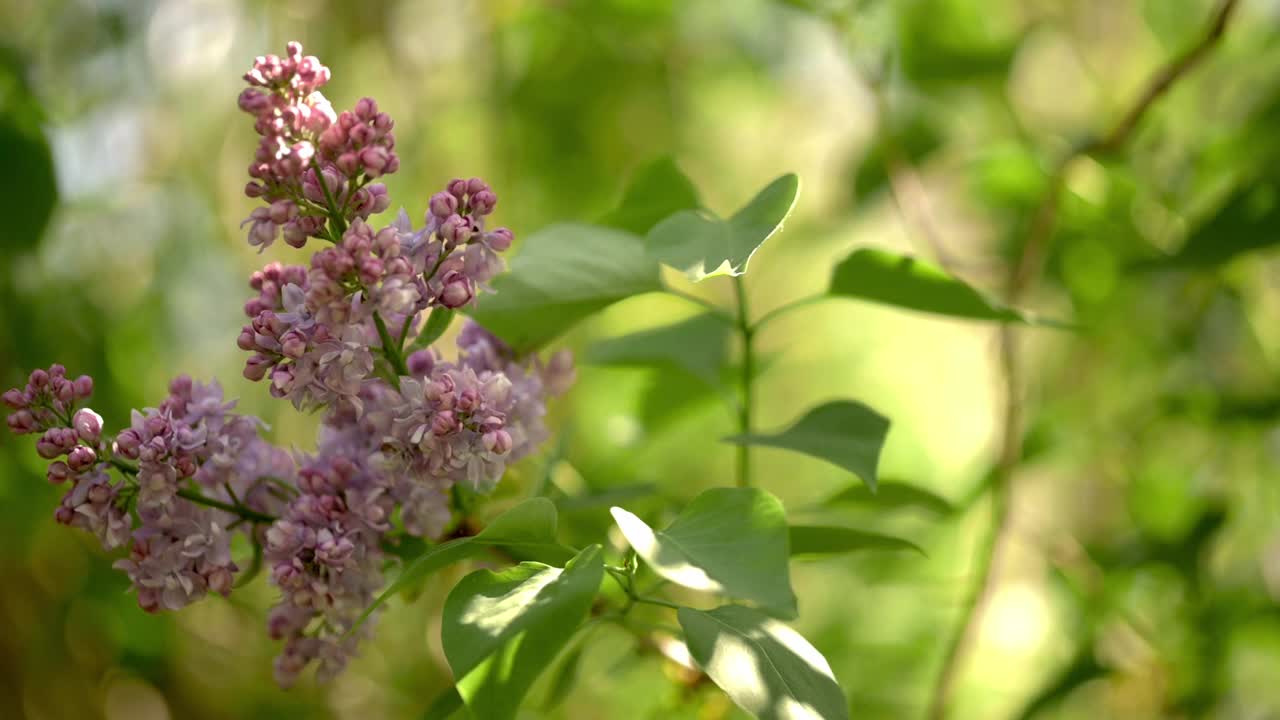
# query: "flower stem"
238 510
748 374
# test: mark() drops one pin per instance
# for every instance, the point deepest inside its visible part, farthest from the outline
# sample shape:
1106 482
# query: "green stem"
784 309
390 349
748 374
238 510
655 601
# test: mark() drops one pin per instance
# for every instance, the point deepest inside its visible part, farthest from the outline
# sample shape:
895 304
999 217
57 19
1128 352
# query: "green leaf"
529 528
1249 220
437 322
906 282
656 191
832 540
697 345
562 682
445 706
606 497
904 139
845 433
730 541
501 629
891 496
704 246
765 667
28 188
563 274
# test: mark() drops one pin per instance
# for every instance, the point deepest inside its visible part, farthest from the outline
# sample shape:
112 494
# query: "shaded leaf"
445 706
28 188
703 245
891 496
697 345
765 667
563 274
832 540
606 497
529 527
845 433
1249 220
906 282
563 681
437 322
730 541
501 629
655 192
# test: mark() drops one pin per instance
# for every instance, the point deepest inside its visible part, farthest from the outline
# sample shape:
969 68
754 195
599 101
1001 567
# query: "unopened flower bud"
443 423
88 425
497 441
81 458
456 292
58 472
443 205
83 386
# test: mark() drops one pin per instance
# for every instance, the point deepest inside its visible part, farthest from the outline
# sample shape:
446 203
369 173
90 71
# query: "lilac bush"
401 427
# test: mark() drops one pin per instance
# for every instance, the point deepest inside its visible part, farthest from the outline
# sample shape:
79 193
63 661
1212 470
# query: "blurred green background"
1143 572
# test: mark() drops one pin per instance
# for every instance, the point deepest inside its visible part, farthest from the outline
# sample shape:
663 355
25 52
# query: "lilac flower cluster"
309 159
179 550
398 433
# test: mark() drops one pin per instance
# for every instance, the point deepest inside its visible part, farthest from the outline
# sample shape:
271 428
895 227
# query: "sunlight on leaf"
845 433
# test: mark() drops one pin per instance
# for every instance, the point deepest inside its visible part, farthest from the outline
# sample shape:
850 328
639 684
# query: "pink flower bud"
38 379
64 515
246 339
282 211
456 292
497 441
443 423
63 389
483 202
476 185
499 239
457 188
15 399
293 344
83 387
220 580
443 205
256 367
47 448
58 472
22 422
127 444
88 425
81 458
366 108
99 494
348 162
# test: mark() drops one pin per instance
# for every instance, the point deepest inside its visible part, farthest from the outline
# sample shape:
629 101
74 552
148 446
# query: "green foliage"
704 246
845 433
562 275
767 668
657 191
446 705
501 629
730 541
28 190
528 529
437 322
833 540
891 496
884 277
1248 220
697 346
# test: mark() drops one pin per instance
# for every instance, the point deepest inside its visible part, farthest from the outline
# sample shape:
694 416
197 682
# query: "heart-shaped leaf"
730 541
656 191
765 667
845 433
885 277
564 273
833 540
702 245
697 345
501 629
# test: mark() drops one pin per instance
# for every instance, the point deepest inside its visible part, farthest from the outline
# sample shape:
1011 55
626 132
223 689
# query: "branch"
1020 280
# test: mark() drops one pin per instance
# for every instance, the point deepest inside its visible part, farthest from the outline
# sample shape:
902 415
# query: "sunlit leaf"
656 191
697 345
500 630
832 540
529 528
730 541
765 667
845 433
703 245
891 496
885 277
563 274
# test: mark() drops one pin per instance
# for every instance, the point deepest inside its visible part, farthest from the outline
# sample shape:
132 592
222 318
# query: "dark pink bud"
47 448
38 379
366 109
256 367
374 160
81 458
483 202
499 239
293 344
497 441
443 205
58 472
22 422
246 339
88 425
443 423
456 292
127 444
15 399
348 162
56 370
476 185
83 386
63 389
99 494
64 515
468 399
457 188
